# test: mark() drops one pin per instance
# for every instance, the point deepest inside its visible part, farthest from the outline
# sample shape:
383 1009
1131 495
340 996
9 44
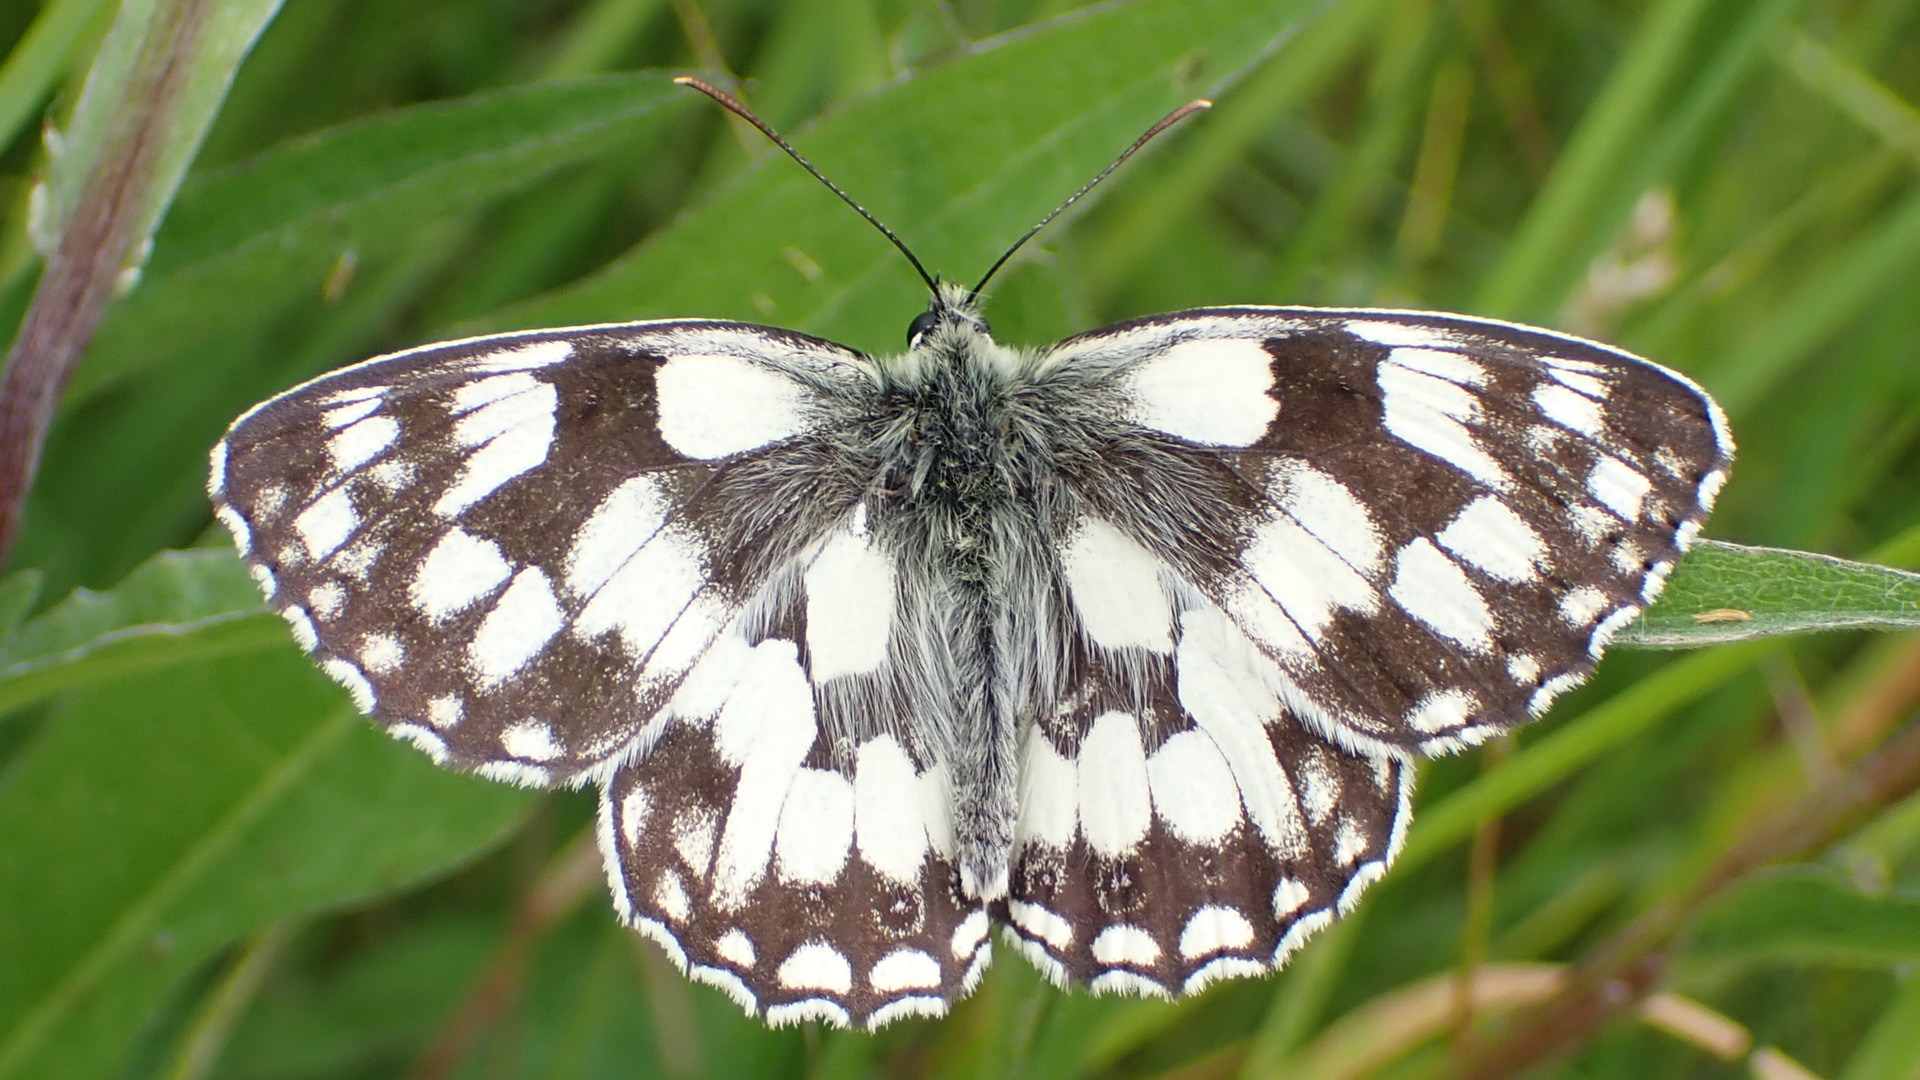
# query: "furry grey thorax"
965 496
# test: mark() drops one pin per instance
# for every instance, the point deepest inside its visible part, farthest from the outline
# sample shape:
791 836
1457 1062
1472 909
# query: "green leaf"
1808 916
179 606
160 817
18 593
1727 592
207 39
250 241
961 158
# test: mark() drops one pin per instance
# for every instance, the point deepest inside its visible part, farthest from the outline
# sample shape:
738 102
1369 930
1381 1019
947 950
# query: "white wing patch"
1157 869
717 405
1116 590
1212 391
850 604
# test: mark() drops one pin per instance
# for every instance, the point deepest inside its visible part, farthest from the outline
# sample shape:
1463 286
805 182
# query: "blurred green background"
210 867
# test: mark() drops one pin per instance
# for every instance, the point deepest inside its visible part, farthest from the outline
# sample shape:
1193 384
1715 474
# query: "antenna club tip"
1200 103
684 80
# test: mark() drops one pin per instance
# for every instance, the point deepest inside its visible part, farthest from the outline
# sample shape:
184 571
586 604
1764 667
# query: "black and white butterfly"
1126 645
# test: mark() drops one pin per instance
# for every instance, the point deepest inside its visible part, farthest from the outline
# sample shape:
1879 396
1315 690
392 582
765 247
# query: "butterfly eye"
922 324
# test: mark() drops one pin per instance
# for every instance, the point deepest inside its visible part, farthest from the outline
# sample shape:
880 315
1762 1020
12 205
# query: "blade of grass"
1600 145
1878 261
1682 134
39 58
1393 102
1891 1048
1299 68
1858 95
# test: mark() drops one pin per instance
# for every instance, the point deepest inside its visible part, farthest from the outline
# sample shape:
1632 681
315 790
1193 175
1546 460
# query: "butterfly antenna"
732 105
1172 118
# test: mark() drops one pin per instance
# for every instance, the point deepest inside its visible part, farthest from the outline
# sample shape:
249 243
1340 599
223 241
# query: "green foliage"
210 866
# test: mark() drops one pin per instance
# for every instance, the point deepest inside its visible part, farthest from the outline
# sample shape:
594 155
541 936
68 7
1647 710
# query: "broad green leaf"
249 241
1727 592
1805 916
161 816
178 607
959 159
18 593
179 55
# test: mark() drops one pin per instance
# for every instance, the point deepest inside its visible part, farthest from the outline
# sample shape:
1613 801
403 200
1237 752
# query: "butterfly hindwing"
1177 823
512 549
785 832
1434 523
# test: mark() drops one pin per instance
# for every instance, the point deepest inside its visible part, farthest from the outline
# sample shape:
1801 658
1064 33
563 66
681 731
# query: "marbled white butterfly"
1127 644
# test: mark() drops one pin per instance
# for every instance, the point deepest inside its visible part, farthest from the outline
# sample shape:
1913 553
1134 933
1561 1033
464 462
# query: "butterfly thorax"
965 481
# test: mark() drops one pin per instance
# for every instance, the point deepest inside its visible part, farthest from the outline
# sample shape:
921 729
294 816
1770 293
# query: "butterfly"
1127 645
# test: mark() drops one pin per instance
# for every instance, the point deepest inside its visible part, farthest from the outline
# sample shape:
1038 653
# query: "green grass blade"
1300 68
1877 262
1603 142
1891 1048
1805 916
1728 592
37 61
1855 93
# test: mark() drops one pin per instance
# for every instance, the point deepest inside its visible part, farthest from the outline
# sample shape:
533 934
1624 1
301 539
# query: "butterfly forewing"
1433 523
512 549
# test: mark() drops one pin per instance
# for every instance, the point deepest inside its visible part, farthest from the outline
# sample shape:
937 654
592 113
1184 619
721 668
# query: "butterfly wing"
1178 825
1305 545
1433 524
622 554
788 838
512 549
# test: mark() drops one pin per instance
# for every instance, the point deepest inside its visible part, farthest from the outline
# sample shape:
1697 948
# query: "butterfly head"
952 306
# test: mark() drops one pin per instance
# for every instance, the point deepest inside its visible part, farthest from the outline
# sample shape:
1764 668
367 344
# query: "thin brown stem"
83 272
